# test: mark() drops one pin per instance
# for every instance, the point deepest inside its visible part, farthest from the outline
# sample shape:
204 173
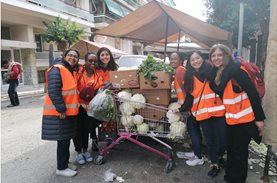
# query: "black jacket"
53 128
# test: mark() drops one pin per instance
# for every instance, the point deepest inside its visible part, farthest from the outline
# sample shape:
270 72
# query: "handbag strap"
200 96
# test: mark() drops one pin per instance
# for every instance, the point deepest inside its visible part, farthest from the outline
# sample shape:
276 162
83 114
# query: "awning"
154 21
116 8
84 46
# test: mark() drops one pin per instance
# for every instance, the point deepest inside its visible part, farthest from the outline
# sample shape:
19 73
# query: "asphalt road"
25 158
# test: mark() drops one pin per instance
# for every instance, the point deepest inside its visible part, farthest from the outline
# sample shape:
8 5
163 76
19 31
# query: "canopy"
157 23
84 46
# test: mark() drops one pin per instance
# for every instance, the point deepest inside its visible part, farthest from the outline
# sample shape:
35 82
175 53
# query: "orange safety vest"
95 81
237 105
210 104
104 74
69 93
179 83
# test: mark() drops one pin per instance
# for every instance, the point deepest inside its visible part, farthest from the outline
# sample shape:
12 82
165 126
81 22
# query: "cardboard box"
163 81
125 78
154 96
152 113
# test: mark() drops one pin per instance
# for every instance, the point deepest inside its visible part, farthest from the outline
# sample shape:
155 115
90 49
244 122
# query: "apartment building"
21 27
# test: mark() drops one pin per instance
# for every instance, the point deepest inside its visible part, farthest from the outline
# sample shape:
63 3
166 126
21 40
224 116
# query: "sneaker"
87 157
214 171
195 161
10 105
80 159
185 155
72 166
66 172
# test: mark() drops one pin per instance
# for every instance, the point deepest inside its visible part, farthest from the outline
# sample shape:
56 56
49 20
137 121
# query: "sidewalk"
23 90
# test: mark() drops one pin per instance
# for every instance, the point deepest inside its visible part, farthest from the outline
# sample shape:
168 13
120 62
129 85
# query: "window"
5 33
38 42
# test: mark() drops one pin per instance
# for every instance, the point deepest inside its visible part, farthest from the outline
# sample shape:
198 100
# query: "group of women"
65 109
218 94
223 101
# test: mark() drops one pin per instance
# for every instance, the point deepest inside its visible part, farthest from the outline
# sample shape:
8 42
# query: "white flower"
138 101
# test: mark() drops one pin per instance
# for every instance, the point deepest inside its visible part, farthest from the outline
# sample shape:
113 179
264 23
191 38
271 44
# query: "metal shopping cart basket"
158 128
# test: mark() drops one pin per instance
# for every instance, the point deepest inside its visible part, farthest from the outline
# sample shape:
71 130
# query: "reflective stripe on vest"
238 106
208 96
179 92
210 105
69 94
210 110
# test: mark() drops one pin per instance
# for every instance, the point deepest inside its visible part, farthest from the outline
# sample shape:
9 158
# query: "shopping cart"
155 117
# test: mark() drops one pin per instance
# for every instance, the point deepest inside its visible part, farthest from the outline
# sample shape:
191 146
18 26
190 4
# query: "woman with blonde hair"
244 113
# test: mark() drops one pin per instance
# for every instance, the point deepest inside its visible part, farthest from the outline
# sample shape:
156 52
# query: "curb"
23 94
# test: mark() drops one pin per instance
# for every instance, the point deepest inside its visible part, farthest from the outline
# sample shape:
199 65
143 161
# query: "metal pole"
179 34
166 32
241 15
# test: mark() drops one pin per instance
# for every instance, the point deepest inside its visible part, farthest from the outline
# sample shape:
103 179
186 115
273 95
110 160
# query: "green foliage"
62 32
225 14
150 65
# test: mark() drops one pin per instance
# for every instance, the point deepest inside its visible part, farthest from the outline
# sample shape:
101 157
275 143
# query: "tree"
225 14
64 33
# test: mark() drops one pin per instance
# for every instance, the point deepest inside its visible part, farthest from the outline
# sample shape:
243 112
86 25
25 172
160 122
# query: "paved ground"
25 158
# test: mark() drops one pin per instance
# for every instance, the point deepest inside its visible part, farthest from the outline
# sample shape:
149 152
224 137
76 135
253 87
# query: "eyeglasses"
74 56
92 61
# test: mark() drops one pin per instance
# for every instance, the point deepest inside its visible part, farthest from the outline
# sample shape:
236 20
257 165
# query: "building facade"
21 27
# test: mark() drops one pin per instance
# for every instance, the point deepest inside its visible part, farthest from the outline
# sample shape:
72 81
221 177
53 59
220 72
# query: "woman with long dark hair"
207 110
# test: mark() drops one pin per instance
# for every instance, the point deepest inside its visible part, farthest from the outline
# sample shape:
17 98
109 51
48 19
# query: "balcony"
64 8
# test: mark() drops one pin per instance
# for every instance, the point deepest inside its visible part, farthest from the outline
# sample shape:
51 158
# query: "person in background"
176 61
60 109
86 77
244 113
208 110
12 77
105 64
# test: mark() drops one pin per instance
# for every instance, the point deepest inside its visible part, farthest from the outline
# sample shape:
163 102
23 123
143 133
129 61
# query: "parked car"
131 61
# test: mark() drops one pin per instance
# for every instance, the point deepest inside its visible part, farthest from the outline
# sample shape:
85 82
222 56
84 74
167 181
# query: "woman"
86 77
208 111
176 61
106 63
61 108
244 113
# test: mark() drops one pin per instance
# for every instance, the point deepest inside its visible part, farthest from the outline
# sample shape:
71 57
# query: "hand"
62 115
260 125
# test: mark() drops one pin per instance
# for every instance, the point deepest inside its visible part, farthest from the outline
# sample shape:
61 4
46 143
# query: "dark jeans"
194 131
95 123
238 139
12 92
83 129
214 131
63 154
85 125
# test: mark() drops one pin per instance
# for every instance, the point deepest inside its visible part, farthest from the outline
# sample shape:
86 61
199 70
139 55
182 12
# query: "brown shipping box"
152 113
156 97
125 78
163 81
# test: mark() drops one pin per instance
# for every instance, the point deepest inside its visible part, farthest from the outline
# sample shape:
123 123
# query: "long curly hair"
227 57
203 72
111 65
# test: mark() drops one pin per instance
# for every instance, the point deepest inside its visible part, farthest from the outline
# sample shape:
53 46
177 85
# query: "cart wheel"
169 166
98 160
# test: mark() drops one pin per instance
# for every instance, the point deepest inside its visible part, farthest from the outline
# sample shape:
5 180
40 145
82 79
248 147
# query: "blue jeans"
194 131
214 130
